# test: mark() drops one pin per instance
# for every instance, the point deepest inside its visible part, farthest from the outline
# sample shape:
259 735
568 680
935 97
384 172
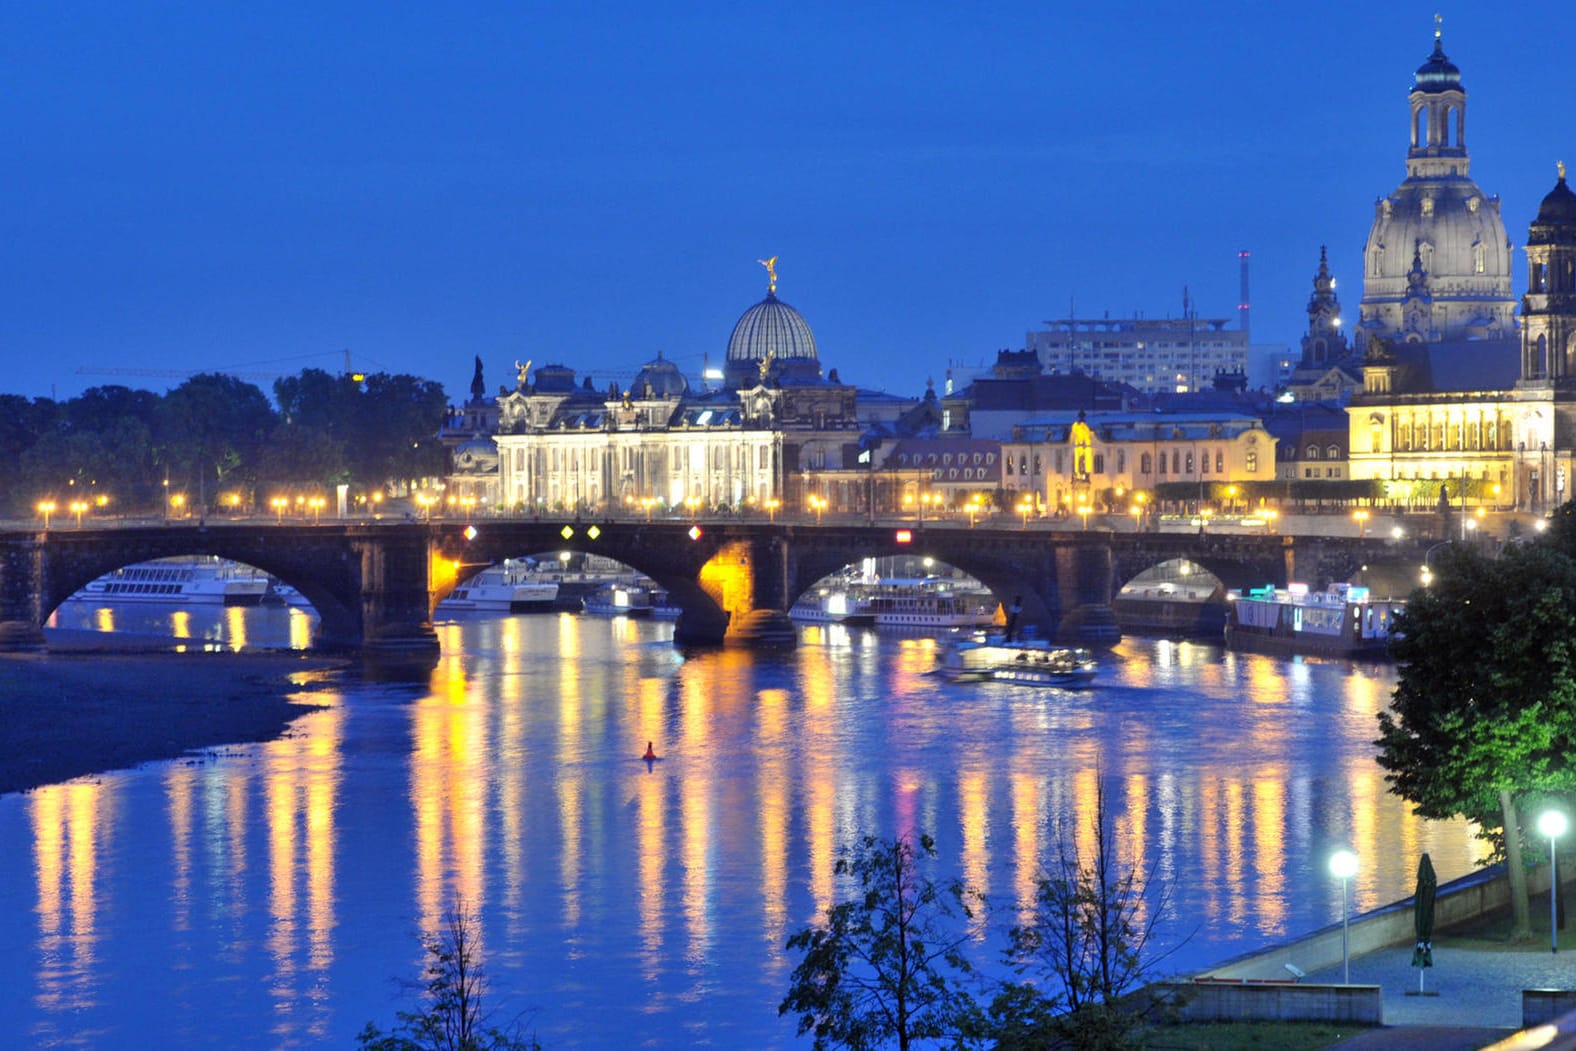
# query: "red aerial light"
905 536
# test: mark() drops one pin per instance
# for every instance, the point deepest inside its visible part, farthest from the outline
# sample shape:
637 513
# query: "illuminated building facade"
659 442
1057 462
1437 264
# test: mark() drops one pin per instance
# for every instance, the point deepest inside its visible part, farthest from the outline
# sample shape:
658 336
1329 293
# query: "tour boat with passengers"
991 657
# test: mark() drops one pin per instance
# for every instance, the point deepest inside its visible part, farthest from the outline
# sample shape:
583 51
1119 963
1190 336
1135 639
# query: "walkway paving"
1474 995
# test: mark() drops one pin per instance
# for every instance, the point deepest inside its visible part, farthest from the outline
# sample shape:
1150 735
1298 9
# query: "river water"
273 895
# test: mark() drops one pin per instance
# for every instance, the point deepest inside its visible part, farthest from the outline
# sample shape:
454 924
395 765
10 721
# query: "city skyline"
237 191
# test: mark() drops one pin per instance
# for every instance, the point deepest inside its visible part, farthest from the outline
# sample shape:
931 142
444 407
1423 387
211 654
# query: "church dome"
1438 73
659 379
771 328
1556 219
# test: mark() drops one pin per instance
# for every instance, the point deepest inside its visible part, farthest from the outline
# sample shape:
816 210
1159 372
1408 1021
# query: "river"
273 895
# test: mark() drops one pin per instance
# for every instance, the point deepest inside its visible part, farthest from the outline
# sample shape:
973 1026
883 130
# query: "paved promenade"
1479 990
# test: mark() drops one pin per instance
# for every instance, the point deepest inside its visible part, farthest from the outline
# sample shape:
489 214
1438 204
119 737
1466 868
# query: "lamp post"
46 508
772 504
1552 823
77 507
1343 866
1362 522
279 503
1024 507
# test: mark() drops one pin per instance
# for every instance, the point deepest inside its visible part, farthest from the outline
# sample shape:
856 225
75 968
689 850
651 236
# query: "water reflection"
287 882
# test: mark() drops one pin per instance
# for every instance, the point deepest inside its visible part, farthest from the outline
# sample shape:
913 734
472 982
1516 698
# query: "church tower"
1548 310
1437 222
1325 343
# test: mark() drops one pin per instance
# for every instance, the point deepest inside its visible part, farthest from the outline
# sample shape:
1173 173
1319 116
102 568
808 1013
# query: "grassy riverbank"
66 715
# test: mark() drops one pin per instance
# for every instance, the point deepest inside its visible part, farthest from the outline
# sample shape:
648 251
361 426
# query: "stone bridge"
375 585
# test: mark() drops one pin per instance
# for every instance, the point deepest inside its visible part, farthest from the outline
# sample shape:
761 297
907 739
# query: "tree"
1088 941
212 429
1484 711
887 965
451 1018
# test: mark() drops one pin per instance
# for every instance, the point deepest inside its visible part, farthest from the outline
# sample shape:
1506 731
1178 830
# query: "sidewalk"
1479 993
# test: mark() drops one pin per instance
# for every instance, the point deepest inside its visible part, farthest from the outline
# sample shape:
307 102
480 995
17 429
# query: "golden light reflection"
697 718
235 627
181 624
449 778
66 820
570 783
103 619
300 629
772 708
1269 847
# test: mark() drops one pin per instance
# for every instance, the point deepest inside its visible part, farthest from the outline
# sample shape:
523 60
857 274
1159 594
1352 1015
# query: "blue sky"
261 187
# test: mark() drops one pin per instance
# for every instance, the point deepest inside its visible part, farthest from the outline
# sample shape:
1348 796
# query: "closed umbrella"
1423 919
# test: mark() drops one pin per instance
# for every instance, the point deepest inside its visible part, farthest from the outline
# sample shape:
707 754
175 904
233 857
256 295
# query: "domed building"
1548 310
770 338
1437 265
659 442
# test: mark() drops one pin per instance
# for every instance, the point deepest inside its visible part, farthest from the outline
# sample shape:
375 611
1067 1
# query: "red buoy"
650 753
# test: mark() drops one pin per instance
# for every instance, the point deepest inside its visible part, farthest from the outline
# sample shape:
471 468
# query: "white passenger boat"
181 581
1028 662
926 604
833 606
504 588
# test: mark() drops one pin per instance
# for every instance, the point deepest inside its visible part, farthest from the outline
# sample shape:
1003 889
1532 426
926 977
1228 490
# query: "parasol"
1423 919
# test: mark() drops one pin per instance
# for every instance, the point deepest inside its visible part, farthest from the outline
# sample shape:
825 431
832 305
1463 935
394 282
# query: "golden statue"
1561 166
523 372
766 363
771 274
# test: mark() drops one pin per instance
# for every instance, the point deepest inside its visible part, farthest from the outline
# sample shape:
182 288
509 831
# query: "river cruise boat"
1342 621
833 607
181 581
1027 662
504 588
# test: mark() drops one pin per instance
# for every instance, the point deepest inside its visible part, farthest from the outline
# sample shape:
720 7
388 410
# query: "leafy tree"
211 430
887 965
451 1018
1088 941
1484 711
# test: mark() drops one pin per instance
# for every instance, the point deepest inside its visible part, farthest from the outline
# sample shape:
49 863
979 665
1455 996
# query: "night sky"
260 187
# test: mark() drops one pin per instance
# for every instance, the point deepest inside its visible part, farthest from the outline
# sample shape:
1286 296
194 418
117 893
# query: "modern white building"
1153 355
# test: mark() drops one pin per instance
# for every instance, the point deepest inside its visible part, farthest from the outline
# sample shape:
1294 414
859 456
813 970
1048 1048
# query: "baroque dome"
1556 221
1438 73
771 328
659 379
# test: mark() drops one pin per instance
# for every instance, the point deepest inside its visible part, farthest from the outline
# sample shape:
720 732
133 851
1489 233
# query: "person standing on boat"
1012 616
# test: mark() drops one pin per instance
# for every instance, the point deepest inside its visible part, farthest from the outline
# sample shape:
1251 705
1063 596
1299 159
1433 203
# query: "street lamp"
1552 823
1343 866
772 504
818 505
46 508
1362 522
279 503
77 507
1084 509
1024 507
178 501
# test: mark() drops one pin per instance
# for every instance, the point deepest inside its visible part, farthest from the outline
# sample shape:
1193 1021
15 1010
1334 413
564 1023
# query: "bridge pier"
21 592
747 580
396 602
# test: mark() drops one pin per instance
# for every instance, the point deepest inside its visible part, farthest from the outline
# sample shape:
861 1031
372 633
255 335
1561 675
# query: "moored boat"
1029 662
620 600
1341 621
504 588
833 606
181 581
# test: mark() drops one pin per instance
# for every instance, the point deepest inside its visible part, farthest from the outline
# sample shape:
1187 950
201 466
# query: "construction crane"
175 374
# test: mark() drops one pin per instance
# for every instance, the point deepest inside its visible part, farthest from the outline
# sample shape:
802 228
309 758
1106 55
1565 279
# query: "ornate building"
1437 265
660 443
1328 370
1487 436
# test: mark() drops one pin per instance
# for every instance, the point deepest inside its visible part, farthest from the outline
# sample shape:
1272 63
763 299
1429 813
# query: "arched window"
1333 452
1311 452
1145 464
1220 462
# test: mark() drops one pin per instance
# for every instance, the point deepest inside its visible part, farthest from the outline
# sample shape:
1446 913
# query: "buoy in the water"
651 754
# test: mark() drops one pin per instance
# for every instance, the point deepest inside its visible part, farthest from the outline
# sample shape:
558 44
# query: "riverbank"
67 715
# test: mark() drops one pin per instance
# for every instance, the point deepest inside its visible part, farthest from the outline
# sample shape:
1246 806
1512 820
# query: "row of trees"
215 434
